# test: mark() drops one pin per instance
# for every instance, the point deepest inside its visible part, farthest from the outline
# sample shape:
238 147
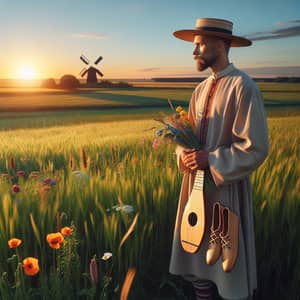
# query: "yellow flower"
183 115
55 239
179 109
31 266
14 243
67 231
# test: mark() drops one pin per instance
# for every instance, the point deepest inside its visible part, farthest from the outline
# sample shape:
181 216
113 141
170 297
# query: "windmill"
91 70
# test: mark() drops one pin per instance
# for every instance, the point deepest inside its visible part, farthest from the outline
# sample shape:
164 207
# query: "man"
228 116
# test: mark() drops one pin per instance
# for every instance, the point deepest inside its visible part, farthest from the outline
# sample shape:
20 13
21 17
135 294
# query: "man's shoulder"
201 85
243 80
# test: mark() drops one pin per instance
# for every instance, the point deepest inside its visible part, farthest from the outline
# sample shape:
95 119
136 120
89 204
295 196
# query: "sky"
135 37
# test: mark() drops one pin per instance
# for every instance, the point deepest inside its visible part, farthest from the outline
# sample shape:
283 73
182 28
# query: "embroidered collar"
224 72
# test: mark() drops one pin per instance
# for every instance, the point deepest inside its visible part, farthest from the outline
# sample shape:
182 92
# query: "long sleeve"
249 145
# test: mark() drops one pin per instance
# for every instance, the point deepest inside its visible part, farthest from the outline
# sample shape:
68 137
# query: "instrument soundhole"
192 219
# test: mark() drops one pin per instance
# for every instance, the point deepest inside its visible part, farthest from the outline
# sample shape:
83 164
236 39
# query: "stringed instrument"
193 218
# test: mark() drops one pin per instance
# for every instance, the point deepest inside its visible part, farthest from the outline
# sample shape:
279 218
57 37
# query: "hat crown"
221 24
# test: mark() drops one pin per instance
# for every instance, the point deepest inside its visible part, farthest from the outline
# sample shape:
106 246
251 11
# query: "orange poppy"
55 239
14 243
31 266
67 230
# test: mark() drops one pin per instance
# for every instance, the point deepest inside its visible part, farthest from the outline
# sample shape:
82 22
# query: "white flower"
106 256
80 174
127 208
116 207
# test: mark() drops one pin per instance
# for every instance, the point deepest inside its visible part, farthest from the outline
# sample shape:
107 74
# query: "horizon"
44 42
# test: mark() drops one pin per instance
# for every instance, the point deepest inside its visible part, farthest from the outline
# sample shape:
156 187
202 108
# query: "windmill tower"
90 70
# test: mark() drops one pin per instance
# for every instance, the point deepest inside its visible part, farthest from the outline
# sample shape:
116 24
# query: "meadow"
96 171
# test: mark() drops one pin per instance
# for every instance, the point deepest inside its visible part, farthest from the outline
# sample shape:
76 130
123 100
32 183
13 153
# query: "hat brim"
189 34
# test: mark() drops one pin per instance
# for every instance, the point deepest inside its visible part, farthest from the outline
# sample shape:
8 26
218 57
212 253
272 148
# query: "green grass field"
120 167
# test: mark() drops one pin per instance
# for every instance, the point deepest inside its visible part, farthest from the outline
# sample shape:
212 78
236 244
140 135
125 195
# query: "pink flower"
156 143
15 188
94 270
20 173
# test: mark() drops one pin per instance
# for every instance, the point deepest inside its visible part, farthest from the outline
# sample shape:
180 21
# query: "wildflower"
20 173
127 208
116 207
83 160
31 266
11 164
156 143
55 239
67 230
46 181
15 188
14 243
173 130
72 163
94 270
106 256
134 160
159 132
80 174
179 109
183 115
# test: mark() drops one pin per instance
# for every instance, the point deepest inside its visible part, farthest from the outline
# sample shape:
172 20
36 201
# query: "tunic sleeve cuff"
217 177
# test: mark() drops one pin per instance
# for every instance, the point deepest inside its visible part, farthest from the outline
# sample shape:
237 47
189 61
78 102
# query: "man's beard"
203 64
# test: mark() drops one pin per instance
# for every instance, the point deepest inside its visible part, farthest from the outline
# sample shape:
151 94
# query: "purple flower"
173 130
159 132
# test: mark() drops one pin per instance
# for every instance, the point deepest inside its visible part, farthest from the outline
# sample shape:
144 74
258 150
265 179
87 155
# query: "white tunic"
237 142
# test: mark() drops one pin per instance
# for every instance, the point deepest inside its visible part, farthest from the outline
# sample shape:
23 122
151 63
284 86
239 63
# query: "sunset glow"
27 72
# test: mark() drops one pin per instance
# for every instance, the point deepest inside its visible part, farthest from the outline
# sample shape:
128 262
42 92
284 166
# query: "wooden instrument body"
193 219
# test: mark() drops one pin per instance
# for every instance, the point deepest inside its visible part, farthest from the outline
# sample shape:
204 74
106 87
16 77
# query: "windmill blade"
83 70
98 60
83 74
99 73
84 59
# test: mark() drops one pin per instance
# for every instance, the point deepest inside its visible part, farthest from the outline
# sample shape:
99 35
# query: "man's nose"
196 51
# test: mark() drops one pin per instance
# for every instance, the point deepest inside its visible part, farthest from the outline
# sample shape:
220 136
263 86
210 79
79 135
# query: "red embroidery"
207 110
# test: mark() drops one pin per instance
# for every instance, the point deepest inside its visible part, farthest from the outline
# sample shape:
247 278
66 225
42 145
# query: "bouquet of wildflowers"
178 129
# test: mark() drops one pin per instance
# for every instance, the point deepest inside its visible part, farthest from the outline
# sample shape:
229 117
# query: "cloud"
149 69
287 31
93 36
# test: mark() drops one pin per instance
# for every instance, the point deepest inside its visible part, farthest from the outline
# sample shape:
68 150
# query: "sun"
27 73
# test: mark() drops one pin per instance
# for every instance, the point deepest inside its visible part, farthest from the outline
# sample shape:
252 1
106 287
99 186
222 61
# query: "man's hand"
195 160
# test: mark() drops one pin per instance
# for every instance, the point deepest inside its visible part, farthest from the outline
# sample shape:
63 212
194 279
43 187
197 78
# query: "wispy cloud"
90 35
286 31
149 69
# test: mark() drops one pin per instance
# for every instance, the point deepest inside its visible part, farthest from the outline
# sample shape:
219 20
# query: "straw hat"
213 27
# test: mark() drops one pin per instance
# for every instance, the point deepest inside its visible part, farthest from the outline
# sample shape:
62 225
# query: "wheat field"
99 168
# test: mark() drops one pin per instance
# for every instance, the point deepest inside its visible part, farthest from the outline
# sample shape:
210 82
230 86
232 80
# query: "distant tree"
69 82
49 83
105 83
123 84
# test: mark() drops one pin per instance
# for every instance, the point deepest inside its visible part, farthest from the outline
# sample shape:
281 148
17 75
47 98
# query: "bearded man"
227 113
